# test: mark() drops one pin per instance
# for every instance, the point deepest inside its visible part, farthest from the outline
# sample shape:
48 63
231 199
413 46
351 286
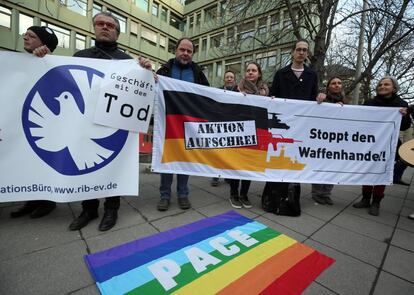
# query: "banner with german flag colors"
211 132
224 254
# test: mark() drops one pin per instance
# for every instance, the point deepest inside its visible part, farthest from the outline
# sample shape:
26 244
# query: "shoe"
319 200
108 220
214 181
401 182
411 216
43 209
374 209
245 202
328 201
235 202
163 205
184 203
26 209
83 220
364 203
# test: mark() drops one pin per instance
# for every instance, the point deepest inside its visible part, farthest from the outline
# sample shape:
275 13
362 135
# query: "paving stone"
388 284
354 244
56 270
346 275
400 262
177 220
42 233
117 237
364 226
404 222
384 217
224 206
304 224
403 239
317 289
90 290
324 212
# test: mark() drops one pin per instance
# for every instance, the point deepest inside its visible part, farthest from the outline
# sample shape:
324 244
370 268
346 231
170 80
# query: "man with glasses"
107 31
38 41
295 81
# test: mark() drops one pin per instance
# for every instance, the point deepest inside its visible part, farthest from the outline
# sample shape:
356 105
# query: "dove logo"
57 120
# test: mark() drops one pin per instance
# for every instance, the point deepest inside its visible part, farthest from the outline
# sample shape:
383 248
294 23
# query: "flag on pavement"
224 254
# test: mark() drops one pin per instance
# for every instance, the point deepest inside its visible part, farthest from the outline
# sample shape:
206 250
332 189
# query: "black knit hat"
46 35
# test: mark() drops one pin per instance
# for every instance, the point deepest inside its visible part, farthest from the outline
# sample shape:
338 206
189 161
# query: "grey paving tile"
324 212
42 233
364 226
392 205
304 224
57 270
201 198
400 262
384 217
404 222
90 290
346 275
317 289
388 284
177 220
117 237
353 244
409 204
224 206
403 239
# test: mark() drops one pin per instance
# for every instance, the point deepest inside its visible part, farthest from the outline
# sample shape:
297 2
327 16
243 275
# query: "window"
171 46
246 30
208 70
230 36
134 28
164 13
219 70
122 21
25 22
198 19
274 22
210 14
217 41
191 23
80 42
285 58
163 41
234 64
266 59
78 6
154 10
62 34
149 36
263 26
176 22
204 44
5 17
143 4
96 9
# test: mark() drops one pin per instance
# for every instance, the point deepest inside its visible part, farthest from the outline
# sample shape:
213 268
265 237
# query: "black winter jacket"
199 77
103 50
287 85
394 101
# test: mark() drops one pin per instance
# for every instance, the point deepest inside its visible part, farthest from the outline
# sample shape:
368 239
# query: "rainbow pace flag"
224 254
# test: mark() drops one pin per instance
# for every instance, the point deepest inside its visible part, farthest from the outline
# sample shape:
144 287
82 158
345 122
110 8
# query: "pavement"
374 255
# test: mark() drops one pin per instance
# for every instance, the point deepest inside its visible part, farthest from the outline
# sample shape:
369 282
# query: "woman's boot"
365 201
374 209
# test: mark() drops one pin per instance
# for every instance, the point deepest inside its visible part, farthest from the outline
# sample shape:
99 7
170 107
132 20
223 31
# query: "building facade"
227 34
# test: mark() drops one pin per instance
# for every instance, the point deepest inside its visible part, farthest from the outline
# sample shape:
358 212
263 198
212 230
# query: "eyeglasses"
101 24
301 49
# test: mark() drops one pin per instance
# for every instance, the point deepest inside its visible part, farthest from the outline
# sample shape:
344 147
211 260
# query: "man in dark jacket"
296 81
107 31
183 68
38 41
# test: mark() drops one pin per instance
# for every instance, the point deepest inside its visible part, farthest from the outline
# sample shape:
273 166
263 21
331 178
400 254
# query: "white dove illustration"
70 128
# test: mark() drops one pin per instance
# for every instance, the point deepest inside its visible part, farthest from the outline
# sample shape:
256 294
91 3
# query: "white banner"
216 133
50 148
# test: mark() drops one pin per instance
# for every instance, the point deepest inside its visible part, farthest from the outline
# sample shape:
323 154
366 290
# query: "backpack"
281 198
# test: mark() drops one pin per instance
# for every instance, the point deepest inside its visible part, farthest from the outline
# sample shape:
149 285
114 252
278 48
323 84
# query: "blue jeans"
182 187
